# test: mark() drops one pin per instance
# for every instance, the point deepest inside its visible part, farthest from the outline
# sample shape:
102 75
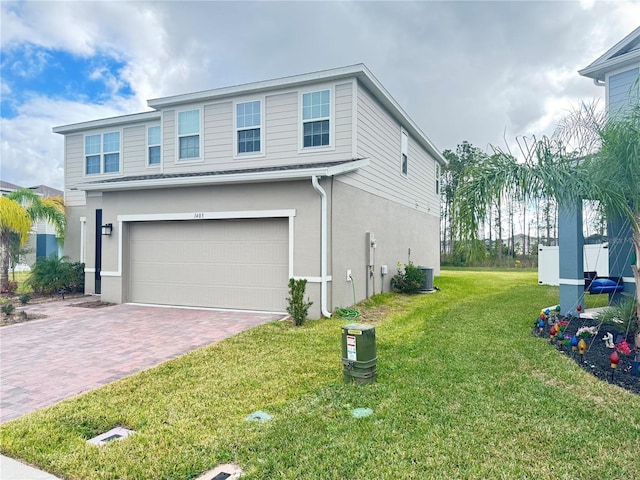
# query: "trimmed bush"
408 279
298 308
52 274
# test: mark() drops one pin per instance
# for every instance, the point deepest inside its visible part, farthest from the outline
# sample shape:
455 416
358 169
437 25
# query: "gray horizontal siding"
281 134
378 137
134 146
623 90
168 137
218 132
73 170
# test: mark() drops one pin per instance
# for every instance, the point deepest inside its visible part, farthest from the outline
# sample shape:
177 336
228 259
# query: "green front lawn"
464 391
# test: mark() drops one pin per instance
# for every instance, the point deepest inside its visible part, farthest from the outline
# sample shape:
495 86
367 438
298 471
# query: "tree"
16 252
591 157
18 211
465 157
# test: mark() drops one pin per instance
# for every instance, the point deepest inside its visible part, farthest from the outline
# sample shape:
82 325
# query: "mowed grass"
463 391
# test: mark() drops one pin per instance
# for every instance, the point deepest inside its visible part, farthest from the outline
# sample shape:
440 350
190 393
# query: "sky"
485 72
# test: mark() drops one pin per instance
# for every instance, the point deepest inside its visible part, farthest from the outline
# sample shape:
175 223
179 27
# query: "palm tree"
590 157
18 211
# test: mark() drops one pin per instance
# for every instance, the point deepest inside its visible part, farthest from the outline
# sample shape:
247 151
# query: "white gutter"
323 247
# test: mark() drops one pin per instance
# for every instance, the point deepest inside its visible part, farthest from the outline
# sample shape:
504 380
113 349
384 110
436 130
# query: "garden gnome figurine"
608 340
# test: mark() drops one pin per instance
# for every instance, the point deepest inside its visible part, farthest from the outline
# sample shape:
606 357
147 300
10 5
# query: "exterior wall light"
107 228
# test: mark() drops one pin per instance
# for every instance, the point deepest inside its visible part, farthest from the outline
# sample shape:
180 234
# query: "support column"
571 251
620 254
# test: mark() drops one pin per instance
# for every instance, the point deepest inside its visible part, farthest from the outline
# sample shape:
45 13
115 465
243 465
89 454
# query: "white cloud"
462 70
31 154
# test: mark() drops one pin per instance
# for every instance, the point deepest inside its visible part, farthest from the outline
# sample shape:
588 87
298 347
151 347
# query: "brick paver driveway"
77 349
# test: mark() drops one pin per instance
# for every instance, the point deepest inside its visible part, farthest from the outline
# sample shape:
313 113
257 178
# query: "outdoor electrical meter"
359 355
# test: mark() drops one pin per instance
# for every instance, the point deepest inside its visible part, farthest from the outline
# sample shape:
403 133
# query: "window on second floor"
248 127
102 153
189 134
404 152
437 178
316 118
153 145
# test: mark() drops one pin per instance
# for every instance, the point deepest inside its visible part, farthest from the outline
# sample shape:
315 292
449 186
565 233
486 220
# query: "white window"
248 127
404 152
102 153
153 145
316 119
189 134
437 178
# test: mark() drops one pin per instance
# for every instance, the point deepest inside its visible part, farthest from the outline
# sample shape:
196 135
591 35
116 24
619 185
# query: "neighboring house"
43 240
618 70
217 198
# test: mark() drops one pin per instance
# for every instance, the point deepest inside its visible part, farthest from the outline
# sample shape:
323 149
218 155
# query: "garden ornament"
608 340
614 359
582 346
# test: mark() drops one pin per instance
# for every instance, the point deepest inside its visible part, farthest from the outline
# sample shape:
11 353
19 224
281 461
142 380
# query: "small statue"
608 340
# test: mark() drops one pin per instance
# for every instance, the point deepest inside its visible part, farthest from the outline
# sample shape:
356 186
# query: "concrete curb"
11 469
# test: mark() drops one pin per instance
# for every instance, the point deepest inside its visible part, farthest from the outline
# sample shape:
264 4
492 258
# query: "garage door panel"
212 263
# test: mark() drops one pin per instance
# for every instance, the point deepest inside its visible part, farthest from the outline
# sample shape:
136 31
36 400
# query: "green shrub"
51 274
622 314
24 298
7 308
408 279
298 308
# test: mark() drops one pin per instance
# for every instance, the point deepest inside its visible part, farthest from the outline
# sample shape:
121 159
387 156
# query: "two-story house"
618 71
217 198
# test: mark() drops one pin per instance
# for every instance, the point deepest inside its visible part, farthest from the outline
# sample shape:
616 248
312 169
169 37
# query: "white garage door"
210 263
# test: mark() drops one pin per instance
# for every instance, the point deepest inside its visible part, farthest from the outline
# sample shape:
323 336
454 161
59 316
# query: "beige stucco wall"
298 195
397 229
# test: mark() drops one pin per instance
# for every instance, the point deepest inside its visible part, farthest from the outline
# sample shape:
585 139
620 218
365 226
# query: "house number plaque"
197 215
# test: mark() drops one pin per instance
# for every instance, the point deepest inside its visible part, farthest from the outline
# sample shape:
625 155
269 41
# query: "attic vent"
117 433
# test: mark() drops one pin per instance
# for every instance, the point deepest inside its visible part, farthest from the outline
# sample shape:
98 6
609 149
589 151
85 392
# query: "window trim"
438 177
101 154
404 152
331 118
200 157
149 145
262 152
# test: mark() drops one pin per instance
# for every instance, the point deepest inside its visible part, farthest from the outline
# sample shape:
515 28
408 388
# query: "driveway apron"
78 349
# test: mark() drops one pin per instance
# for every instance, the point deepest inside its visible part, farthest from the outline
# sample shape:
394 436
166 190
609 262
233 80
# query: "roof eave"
608 60
376 88
249 177
257 87
359 71
597 72
108 122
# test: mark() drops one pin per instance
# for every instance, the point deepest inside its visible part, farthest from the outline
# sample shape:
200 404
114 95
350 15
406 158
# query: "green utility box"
359 355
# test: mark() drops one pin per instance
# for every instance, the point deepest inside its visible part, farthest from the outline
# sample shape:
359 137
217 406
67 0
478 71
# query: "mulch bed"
21 316
97 304
596 358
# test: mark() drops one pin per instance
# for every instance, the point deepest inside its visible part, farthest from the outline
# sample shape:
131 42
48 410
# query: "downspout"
323 246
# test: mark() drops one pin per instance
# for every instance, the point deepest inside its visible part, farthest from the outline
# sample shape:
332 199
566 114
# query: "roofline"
255 87
359 71
603 63
108 122
249 177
